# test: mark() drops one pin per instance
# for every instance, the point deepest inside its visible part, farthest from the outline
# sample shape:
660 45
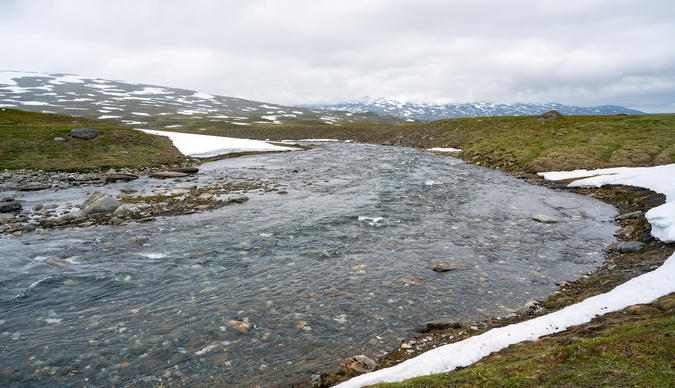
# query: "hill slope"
157 107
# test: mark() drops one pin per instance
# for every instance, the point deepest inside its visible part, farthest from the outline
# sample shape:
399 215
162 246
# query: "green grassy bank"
27 142
524 143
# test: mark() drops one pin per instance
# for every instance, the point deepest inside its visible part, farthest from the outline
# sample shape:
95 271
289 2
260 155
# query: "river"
340 265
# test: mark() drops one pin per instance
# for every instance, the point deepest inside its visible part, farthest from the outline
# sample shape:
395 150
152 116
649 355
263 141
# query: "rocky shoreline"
178 191
636 252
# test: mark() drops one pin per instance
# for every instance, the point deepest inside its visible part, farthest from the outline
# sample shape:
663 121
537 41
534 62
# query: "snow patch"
206 145
661 218
437 149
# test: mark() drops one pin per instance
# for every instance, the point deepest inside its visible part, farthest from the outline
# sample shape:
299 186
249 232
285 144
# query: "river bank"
618 266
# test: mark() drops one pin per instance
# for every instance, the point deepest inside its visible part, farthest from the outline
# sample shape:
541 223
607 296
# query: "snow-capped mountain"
430 112
157 107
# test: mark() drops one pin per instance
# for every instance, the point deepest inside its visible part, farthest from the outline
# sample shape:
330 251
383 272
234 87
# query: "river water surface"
341 265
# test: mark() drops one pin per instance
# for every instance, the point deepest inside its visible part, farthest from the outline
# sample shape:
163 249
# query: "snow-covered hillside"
430 112
153 106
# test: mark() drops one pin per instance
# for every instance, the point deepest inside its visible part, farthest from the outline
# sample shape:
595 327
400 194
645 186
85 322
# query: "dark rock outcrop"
83 133
551 115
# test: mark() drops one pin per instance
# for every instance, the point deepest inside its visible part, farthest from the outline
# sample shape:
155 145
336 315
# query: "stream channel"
338 266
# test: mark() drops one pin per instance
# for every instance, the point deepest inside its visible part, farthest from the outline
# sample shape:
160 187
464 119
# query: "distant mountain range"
157 107
430 112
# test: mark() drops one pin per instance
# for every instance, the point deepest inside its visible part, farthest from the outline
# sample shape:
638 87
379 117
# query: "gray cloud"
574 52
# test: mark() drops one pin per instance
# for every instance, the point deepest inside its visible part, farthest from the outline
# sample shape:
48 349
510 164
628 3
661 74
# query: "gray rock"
179 192
83 133
356 365
631 246
531 307
238 199
99 203
125 210
6 218
110 178
187 170
116 221
443 323
168 174
444 267
9 205
205 196
72 216
129 191
625 216
543 218
59 138
28 227
185 185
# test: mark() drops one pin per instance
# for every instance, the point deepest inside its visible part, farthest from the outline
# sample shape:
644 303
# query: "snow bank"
642 289
660 179
205 145
436 149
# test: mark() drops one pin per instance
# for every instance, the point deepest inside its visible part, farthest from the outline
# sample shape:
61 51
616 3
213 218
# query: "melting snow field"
642 289
436 149
204 145
660 179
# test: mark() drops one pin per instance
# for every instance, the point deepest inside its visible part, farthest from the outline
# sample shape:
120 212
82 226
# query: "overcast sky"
293 52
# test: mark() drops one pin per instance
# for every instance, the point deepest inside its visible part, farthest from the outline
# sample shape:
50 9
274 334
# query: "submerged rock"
99 203
543 218
357 365
239 326
138 240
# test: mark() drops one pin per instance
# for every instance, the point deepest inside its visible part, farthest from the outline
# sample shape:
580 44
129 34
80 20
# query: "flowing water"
341 265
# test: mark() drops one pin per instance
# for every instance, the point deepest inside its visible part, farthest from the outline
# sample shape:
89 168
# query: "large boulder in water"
8 205
99 203
83 133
